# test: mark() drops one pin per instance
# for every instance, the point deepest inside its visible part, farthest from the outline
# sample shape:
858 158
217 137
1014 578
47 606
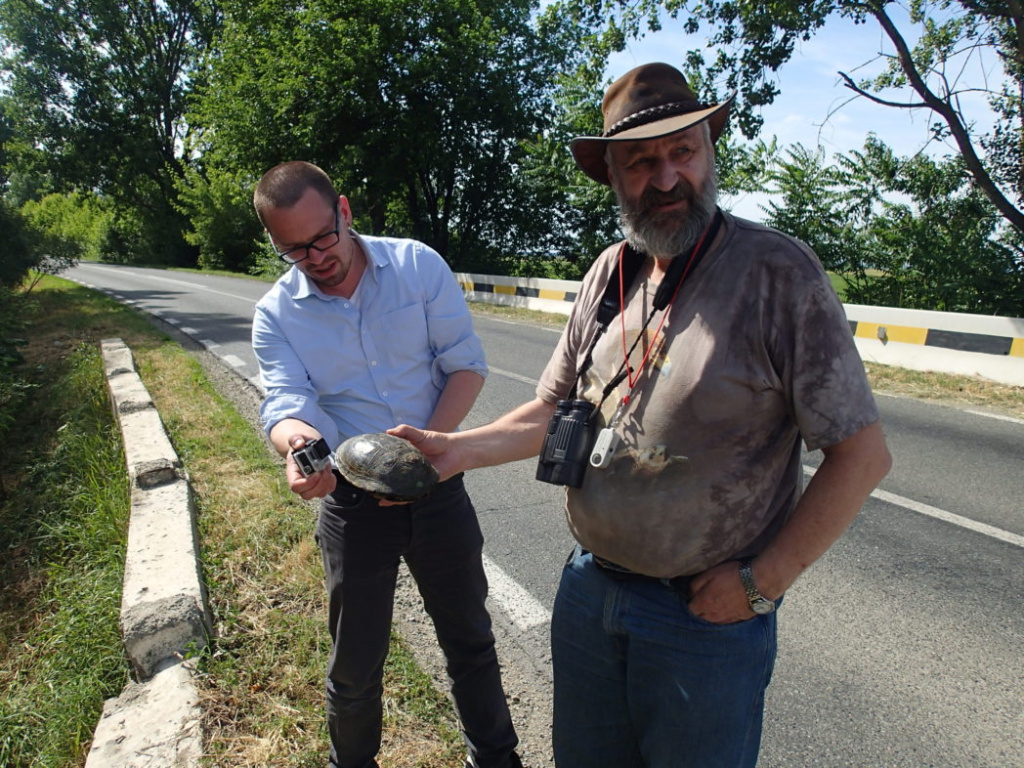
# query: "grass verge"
62 540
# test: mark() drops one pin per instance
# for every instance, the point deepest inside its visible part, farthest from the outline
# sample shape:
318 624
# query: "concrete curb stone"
154 723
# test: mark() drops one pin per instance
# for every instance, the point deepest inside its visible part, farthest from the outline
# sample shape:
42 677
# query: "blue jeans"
439 538
641 682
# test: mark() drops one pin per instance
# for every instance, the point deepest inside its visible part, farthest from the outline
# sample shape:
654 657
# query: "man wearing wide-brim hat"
728 349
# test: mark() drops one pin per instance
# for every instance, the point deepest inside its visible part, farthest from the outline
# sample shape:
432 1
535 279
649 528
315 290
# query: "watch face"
762 606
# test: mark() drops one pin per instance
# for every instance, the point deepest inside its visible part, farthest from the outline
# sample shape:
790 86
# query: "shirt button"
384 393
373 362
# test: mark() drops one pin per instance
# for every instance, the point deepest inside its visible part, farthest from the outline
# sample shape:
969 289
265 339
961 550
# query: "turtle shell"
387 466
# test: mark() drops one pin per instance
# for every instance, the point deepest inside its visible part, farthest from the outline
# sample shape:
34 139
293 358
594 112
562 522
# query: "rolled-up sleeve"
455 344
289 391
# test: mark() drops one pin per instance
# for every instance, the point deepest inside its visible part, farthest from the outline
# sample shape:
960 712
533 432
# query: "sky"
814 108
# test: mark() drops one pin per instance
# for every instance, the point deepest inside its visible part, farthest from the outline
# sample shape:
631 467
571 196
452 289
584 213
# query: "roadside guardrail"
971 345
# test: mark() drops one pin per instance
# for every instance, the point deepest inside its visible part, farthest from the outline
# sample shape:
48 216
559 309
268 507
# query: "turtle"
387 466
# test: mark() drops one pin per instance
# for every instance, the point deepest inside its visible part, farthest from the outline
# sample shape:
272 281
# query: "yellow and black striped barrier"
989 346
958 341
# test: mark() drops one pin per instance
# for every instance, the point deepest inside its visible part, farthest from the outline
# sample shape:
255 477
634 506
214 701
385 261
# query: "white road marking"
941 514
233 361
514 376
520 606
997 416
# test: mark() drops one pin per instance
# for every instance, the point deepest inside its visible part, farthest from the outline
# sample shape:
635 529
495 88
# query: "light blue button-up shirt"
364 364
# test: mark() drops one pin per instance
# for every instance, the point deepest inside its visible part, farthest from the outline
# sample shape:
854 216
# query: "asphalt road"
902 647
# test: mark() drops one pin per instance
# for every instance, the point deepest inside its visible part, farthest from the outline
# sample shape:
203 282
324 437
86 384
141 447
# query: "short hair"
283 185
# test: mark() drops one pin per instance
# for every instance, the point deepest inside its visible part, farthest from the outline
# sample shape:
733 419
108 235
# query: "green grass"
62 540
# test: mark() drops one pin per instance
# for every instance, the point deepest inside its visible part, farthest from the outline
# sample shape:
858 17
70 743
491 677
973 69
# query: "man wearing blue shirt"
361 334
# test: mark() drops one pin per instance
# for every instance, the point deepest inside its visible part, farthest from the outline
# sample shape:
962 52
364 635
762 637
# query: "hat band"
645 116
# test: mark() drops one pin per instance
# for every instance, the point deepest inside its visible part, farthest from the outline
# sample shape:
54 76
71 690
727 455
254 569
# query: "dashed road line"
514 376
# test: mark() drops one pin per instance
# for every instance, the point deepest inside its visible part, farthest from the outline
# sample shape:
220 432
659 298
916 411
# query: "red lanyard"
633 379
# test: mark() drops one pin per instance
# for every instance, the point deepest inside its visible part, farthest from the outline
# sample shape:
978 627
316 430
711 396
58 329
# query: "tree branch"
952 118
849 83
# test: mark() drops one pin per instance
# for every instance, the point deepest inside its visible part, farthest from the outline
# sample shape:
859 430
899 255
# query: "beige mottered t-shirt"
755 354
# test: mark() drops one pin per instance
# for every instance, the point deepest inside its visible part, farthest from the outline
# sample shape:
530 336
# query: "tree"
904 232
15 262
223 226
578 218
96 98
928 237
753 39
812 205
416 109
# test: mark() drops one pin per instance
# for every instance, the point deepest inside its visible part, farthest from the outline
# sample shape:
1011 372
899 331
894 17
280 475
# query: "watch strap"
758 602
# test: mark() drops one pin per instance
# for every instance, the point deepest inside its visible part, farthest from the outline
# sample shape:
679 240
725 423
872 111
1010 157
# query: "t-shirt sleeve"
819 362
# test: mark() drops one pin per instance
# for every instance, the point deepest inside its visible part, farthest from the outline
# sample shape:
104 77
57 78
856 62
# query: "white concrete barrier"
973 345
164 612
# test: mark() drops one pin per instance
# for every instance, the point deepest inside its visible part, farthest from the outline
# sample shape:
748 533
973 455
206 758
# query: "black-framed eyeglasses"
320 244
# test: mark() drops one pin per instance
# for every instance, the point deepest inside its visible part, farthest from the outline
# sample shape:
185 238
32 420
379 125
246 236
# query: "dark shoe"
513 762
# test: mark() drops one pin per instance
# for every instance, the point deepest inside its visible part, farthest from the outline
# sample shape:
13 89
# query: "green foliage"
15 390
811 206
575 216
904 232
63 228
416 109
224 227
265 261
96 94
15 261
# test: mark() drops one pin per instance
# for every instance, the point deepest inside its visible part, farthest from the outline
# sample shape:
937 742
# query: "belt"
680 584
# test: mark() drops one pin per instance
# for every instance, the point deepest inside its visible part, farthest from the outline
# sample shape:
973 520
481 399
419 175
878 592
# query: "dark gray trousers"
440 540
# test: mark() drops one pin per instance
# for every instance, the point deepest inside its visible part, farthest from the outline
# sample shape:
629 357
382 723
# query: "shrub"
223 225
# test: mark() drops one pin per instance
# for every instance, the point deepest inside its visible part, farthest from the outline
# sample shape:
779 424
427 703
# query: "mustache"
651 198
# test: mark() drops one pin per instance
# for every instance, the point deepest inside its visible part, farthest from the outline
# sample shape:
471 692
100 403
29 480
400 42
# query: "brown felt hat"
648 102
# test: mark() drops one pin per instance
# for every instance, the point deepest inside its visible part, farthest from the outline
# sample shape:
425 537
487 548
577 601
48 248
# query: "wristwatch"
758 603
